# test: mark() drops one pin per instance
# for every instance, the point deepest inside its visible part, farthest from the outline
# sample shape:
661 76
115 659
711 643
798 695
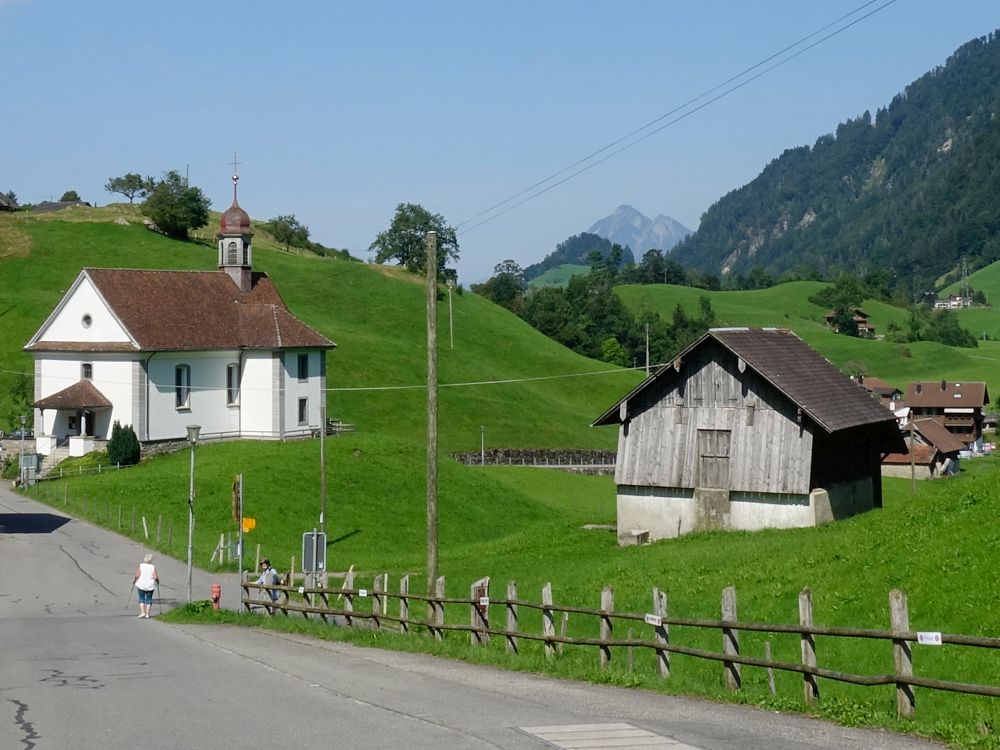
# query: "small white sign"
655 620
302 589
484 601
929 639
362 592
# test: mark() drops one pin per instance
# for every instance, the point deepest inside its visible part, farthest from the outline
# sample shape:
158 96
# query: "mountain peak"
628 226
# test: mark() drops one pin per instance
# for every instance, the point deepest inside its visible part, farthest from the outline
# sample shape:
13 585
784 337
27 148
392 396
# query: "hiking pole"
159 600
129 595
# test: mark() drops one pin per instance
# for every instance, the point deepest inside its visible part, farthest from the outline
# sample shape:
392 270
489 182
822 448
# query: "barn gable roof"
191 310
827 396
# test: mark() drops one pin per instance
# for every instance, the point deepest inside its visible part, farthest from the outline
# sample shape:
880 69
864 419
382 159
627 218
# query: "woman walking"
146 580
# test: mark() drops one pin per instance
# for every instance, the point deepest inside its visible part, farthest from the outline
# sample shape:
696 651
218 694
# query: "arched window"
86 371
232 385
232 254
182 386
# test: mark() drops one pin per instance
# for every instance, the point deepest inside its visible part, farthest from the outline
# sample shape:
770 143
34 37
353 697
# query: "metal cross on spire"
236 177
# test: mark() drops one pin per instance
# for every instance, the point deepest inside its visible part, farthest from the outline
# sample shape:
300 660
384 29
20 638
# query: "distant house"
6 204
46 206
931 451
161 350
747 429
956 405
886 393
954 302
860 318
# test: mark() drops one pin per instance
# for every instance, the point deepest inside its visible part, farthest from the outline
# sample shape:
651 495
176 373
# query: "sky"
341 111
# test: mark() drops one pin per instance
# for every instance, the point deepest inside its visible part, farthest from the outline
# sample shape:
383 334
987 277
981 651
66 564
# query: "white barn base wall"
669 512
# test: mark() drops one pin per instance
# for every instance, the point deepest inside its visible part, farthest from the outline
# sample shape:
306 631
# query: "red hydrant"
216 595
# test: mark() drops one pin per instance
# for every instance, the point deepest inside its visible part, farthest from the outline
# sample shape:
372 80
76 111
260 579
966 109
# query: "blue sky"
341 111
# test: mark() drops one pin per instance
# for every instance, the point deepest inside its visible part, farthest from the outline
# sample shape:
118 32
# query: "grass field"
526 524
559 276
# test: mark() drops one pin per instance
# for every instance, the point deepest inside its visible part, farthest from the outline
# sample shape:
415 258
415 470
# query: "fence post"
563 628
548 623
730 639
348 597
770 671
902 655
246 596
159 528
377 600
607 605
809 684
662 632
479 617
439 608
404 605
511 617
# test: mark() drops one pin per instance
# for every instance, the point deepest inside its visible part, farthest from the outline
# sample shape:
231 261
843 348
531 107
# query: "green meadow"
527 524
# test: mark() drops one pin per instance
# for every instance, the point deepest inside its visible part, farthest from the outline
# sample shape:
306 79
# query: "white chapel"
160 350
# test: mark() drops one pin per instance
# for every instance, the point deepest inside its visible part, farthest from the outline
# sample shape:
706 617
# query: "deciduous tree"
176 207
130 185
403 242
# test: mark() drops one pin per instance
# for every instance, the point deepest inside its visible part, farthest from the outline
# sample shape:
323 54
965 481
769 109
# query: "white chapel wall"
70 324
256 395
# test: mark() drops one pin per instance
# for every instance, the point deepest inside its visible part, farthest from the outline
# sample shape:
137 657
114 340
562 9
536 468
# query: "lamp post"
192 436
20 458
482 445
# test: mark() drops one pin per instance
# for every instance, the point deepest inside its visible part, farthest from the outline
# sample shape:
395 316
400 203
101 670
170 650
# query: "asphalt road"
79 670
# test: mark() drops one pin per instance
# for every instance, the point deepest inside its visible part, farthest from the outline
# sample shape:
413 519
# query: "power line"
489 212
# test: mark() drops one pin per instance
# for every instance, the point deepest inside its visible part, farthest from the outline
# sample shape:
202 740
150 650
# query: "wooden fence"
341 605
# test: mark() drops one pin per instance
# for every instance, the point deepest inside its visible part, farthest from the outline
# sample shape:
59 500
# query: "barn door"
713 458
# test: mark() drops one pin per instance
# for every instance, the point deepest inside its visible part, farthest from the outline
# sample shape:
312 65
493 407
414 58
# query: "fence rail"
316 601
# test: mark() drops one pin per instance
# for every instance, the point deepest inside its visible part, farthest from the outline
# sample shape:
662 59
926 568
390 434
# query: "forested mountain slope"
908 193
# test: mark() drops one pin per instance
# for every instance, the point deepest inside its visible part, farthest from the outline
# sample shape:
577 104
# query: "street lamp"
482 445
20 458
192 436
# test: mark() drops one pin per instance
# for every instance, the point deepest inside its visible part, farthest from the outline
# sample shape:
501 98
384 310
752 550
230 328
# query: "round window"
87 320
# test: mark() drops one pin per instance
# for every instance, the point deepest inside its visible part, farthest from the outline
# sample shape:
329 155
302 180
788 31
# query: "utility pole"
647 349
451 324
322 468
432 409
913 464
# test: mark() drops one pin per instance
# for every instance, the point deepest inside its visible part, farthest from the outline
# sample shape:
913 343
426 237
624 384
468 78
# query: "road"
79 670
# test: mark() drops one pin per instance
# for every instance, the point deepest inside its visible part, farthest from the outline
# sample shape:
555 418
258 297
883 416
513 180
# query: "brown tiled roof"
80 395
186 310
877 385
794 368
942 394
938 435
923 455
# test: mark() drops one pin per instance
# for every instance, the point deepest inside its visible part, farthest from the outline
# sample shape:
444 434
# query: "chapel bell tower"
235 251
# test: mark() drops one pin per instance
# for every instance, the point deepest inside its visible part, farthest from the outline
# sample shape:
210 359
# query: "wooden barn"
747 429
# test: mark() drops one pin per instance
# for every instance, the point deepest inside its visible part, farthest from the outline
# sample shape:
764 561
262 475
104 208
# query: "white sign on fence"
484 601
655 620
362 592
929 639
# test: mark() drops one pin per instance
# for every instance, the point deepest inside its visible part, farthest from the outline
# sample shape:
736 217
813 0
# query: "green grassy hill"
788 306
559 276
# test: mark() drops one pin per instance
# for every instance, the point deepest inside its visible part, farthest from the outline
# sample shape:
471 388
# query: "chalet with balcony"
958 406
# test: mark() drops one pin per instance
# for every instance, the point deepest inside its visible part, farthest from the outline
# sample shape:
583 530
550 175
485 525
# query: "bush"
123 447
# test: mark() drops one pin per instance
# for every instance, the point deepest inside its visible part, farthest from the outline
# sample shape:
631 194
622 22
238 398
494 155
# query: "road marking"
611 736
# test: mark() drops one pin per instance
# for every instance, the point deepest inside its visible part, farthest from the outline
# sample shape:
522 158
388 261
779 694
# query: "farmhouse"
161 350
886 393
860 318
956 405
747 429
931 451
